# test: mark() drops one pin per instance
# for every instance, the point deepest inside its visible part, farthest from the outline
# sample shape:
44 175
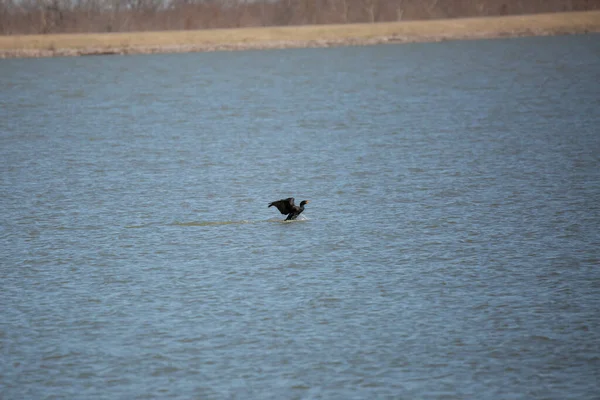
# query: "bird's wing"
285 206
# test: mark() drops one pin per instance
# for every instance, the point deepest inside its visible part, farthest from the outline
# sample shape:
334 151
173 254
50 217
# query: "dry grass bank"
299 36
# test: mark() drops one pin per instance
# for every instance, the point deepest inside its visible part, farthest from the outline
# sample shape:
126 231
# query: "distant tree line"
78 16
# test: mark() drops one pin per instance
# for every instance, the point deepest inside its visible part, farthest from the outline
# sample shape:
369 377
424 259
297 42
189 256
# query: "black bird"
287 206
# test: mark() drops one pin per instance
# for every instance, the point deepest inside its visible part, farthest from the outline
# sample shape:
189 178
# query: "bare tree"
370 8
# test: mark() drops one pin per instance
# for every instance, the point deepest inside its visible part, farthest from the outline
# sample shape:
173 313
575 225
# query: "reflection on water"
450 248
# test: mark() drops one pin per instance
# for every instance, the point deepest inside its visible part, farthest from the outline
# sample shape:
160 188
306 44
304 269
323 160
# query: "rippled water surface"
450 249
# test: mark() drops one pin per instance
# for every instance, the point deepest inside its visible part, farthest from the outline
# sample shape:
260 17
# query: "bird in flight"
287 207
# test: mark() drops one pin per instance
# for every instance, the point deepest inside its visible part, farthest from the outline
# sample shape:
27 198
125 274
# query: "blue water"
450 249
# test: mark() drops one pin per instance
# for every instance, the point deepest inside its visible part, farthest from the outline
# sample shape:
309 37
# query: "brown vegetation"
25 17
300 36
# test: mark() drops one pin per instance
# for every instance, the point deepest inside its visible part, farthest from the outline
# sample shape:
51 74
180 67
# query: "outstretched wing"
285 206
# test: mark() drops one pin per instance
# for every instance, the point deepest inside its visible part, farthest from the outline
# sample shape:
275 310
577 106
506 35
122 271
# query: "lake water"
450 250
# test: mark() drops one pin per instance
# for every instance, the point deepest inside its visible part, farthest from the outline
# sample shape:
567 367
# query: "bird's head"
303 202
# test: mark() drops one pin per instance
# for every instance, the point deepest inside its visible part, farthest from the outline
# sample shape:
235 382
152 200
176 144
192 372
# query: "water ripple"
450 250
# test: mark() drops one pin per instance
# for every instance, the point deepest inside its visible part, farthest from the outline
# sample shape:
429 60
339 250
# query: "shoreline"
306 36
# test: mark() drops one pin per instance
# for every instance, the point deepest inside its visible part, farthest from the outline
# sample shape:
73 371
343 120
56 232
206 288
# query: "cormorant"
286 206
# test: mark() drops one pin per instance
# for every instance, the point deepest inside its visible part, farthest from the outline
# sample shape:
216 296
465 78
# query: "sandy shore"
300 36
